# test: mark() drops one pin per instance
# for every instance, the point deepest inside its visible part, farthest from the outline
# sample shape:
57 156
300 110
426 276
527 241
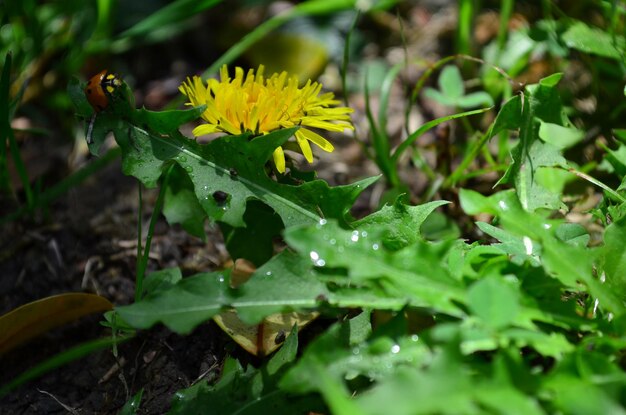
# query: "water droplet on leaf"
355 236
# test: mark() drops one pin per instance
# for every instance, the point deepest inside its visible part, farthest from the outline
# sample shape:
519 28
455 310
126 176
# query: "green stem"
466 14
614 195
138 266
142 264
467 160
505 15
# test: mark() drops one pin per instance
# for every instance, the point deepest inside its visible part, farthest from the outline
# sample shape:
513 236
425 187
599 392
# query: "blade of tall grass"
464 33
152 27
59 360
506 10
420 131
8 138
309 8
52 193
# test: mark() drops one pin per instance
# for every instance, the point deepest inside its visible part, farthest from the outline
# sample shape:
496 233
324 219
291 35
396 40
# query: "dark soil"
86 243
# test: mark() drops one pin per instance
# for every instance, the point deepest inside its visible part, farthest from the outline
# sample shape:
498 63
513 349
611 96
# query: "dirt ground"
87 244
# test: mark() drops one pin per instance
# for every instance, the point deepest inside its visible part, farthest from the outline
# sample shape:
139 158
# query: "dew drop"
268 274
182 158
503 205
317 261
415 337
375 247
395 349
364 234
332 241
528 245
220 278
355 236
322 222
188 169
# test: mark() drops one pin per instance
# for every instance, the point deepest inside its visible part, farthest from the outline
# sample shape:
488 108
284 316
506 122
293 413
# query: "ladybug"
99 89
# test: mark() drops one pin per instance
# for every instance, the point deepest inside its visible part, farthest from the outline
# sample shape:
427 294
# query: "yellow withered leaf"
258 339
262 339
32 319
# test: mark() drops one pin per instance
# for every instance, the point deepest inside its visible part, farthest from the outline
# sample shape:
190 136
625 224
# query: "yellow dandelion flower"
253 103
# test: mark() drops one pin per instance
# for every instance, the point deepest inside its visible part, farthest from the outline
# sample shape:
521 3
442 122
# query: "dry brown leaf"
32 319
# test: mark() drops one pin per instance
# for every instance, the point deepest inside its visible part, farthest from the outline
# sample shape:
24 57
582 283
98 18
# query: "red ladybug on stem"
98 91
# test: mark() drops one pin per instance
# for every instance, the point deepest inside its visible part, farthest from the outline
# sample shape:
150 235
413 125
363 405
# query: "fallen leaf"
32 319
262 339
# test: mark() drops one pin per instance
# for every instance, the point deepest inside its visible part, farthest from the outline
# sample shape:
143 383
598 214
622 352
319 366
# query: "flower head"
252 103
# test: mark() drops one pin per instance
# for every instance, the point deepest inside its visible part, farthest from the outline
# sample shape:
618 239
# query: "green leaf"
415 274
573 233
430 388
617 159
402 222
559 136
586 381
509 117
452 91
341 356
542 104
283 284
613 256
132 406
225 172
451 82
233 166
180 204
595 41
162 279
570 264
255 241
494 300
183 306
247 392
475 99
513 245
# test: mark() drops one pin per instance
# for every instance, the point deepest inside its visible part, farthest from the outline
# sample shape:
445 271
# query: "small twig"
119 364
203 374
66 407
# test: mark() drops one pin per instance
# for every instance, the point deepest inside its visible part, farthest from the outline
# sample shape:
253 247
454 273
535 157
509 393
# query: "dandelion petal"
316 139
279 159
304 146
204 129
